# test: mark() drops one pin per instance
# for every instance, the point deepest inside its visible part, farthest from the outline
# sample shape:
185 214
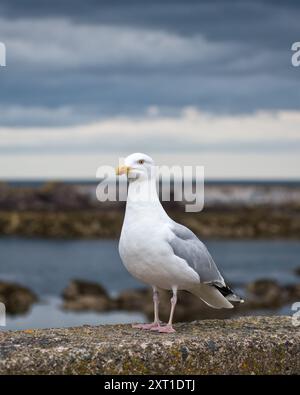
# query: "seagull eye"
141 162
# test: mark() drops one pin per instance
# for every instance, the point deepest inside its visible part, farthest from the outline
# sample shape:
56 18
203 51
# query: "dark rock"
86 303
297 271
78 288
134 299
17 299
293 292
85 295
62 196
266 293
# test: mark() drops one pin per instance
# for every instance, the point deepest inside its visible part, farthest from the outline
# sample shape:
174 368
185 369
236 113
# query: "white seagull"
162 253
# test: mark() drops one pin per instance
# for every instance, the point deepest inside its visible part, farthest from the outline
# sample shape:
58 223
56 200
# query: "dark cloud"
253 72
230 19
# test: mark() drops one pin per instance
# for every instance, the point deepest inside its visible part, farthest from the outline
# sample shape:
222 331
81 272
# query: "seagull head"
137 166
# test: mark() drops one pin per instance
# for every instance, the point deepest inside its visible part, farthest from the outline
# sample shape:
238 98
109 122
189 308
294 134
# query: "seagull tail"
211 296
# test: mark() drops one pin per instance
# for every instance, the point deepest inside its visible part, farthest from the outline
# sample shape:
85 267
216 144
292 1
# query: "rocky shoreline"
60 210
243 223
81 296
263 294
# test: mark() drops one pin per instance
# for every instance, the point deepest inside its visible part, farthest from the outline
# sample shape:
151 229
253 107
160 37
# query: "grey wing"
187 246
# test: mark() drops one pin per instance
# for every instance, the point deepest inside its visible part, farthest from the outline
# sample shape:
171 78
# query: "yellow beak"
122 170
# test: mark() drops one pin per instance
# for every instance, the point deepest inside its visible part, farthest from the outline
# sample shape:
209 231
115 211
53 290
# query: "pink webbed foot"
146 327
156 328
166 329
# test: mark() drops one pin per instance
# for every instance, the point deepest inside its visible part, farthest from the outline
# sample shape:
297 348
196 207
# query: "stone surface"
249 345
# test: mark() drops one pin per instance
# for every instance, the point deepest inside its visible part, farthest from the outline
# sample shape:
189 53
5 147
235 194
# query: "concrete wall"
259 345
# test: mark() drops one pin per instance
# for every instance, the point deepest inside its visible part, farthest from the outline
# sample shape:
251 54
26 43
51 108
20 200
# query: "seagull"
162 253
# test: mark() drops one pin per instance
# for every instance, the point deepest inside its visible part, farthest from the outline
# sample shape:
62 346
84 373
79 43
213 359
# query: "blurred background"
207 83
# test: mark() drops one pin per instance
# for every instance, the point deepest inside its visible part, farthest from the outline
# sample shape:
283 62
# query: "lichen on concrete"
249 345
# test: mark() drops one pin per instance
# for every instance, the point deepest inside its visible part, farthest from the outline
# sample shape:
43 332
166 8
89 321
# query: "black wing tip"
228 293
223 289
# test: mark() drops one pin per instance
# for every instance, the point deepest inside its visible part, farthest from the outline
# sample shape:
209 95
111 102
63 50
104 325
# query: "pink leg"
169 328
155 325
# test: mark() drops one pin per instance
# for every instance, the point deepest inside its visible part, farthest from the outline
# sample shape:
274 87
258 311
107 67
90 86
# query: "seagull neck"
143 193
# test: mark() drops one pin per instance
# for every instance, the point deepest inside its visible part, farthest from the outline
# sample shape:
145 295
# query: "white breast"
148 256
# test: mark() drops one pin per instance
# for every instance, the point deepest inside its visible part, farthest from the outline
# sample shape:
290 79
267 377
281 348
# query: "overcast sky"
188 82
